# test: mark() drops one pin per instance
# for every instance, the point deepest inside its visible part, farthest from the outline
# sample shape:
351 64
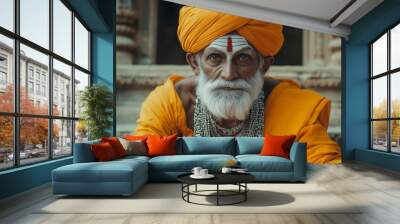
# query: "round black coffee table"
238 179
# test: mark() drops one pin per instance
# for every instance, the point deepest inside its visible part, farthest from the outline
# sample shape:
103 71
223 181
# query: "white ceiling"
314 15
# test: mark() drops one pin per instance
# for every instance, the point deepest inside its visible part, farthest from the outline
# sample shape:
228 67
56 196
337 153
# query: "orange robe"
288 110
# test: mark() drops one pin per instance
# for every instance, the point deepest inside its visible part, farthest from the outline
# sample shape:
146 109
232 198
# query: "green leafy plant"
96 102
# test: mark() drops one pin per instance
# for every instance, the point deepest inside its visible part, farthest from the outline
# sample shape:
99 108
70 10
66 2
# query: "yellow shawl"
288 110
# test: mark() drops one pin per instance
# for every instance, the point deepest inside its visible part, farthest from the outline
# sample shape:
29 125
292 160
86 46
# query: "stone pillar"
126 32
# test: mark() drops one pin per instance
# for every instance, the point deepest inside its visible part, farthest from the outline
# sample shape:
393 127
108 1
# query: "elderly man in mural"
230 94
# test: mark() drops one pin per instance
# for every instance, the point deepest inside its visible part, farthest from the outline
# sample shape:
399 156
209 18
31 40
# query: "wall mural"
229 76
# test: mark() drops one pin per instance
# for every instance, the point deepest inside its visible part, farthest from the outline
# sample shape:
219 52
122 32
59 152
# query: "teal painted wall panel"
356 99
380 159
103 54
24 178
355 79
103 66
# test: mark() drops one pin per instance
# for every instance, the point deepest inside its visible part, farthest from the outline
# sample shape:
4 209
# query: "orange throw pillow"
277 145
116 145
161 145
103 151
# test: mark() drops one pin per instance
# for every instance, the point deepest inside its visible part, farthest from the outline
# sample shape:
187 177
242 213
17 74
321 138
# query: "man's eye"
244 57
213 57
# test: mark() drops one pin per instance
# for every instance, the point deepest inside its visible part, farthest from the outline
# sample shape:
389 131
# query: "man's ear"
192 61
267 61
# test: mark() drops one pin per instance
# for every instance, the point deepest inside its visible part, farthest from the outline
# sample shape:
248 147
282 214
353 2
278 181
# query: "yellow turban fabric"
199 27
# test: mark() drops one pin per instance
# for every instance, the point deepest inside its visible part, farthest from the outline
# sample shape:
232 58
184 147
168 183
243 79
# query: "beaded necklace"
205 123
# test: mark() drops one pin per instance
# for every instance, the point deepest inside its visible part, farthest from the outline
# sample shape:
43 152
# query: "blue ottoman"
118 177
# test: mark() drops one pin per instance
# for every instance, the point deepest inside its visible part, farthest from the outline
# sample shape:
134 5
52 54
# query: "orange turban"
199 27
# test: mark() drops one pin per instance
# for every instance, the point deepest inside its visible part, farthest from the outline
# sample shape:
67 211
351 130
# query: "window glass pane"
81 45
62 138
33 139
7 14
35 21
395 47
6 142
6 74
395 136
62 89
379 97
34 97
62 29
81 81
81 132
379 135
395 94
379 55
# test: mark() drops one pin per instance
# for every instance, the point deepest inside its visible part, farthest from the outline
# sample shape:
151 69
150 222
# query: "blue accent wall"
24 178
103 68
99 16
355 78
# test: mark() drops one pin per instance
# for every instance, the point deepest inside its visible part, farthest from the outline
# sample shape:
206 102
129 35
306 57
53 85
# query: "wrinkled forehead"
230 43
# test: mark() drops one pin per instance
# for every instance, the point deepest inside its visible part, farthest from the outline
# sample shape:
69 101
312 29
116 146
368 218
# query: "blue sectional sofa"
125 176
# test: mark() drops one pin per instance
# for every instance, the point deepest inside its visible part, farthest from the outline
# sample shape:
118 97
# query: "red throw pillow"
277 145
103 151
135 138
116 145
161 145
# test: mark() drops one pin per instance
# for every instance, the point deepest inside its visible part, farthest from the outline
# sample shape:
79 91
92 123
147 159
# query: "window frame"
388 74
16 114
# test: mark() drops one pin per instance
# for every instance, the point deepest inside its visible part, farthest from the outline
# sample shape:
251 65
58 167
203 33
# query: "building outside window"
30 72
43 90
3 78
3 61
385 93
3 72
37 75
44 77
30 87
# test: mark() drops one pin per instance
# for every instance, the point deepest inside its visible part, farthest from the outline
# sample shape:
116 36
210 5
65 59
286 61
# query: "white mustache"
239 84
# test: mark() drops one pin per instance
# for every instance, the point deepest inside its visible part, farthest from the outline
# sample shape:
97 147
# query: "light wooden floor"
378 188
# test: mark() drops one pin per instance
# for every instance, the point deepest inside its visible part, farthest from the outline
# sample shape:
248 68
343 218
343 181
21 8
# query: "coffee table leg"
217 194
188 189
245 193
195 188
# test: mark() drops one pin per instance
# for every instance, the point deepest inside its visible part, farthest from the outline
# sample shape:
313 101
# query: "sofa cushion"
133 157
249 145
185 163
83 152
257 163
112 171
207 145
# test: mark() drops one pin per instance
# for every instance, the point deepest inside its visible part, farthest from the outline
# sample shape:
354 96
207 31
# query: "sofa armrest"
83 152
298 155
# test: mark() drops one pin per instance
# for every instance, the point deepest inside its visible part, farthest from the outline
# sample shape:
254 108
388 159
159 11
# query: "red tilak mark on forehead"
229 44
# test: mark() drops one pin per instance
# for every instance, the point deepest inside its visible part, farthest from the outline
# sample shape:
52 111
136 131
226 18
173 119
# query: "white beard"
229 104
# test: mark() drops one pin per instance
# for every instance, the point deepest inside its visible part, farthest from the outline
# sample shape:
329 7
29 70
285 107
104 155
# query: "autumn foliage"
380 127
33 131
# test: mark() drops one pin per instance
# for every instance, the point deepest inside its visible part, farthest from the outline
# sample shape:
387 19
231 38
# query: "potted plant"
96 103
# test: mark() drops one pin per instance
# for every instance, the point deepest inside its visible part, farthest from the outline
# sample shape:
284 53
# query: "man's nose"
229 72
